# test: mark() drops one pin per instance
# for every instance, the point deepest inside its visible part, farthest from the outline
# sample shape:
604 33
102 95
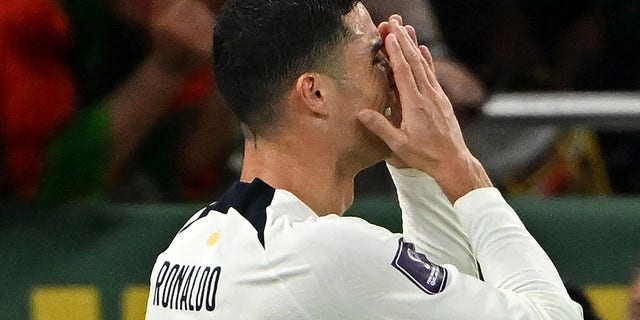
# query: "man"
310 82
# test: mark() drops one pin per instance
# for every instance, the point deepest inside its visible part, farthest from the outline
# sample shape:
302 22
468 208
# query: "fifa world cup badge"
428 276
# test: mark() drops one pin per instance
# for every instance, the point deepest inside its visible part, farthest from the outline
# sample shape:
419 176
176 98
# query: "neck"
315 175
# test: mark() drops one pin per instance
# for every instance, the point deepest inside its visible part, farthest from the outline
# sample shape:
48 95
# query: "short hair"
261 47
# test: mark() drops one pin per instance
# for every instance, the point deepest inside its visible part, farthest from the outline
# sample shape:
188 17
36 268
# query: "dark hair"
261 47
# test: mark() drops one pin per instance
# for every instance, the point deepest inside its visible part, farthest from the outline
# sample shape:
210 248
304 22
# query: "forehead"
360 23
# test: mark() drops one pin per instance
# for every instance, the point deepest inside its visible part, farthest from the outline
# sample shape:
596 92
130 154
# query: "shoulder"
293 225
343 233
333 244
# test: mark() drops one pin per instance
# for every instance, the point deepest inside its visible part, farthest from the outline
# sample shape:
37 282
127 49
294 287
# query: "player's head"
320 55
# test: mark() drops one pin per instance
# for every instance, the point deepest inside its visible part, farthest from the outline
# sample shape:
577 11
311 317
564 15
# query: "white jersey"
261 253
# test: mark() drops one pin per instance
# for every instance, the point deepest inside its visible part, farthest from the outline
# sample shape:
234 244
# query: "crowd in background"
115 100
110 100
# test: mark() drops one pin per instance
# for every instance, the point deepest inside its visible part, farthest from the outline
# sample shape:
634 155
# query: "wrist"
461 176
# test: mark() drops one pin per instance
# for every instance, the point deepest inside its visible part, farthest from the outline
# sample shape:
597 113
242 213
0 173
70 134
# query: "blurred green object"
591 240
77 160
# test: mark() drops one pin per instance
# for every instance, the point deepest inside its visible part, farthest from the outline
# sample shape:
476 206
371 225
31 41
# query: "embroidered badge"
428 276
213 239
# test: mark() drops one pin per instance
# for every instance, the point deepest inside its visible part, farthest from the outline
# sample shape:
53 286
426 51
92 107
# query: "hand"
183 35
429 136
465 91
385 29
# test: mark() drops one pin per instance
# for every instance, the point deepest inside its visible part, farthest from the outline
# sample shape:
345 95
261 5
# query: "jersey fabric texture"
261 253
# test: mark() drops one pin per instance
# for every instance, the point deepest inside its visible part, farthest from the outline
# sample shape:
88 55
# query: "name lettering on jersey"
186 287
428 276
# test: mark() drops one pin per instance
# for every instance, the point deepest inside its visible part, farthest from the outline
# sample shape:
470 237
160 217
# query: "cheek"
375 83
368 89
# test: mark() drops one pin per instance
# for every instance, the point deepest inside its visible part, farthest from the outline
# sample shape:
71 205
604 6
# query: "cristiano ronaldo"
321 94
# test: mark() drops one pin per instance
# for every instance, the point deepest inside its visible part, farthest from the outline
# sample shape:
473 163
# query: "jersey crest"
428 276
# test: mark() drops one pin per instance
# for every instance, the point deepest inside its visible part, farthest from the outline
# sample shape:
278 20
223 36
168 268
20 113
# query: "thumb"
380 126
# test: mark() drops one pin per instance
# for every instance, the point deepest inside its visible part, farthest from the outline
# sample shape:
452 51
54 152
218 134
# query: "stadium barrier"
93 262
606 110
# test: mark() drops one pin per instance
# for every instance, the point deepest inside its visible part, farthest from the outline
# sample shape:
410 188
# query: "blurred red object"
195 90
37 90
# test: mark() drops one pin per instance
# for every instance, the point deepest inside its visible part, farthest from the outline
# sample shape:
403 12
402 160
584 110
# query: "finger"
412 32
384 29
381 127
430 70
413 57
396 17
402 74
426 54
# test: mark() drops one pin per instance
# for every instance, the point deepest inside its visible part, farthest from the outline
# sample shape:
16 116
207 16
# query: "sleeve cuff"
407 172
477 198
415 183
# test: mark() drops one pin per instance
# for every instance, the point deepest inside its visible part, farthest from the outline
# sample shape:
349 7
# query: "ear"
311 89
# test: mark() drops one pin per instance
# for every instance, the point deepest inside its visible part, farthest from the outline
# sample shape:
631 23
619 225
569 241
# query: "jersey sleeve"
511 259
429 221
365 272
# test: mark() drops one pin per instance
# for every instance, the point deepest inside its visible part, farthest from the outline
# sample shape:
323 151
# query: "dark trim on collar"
249 199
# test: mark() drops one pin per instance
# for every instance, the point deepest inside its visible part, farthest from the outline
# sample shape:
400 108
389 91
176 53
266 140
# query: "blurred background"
112 133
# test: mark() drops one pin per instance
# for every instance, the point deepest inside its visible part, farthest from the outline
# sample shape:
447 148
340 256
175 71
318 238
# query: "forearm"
137 105
182 41
210 138
429 221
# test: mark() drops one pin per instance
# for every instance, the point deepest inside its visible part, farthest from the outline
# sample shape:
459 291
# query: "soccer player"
318 101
